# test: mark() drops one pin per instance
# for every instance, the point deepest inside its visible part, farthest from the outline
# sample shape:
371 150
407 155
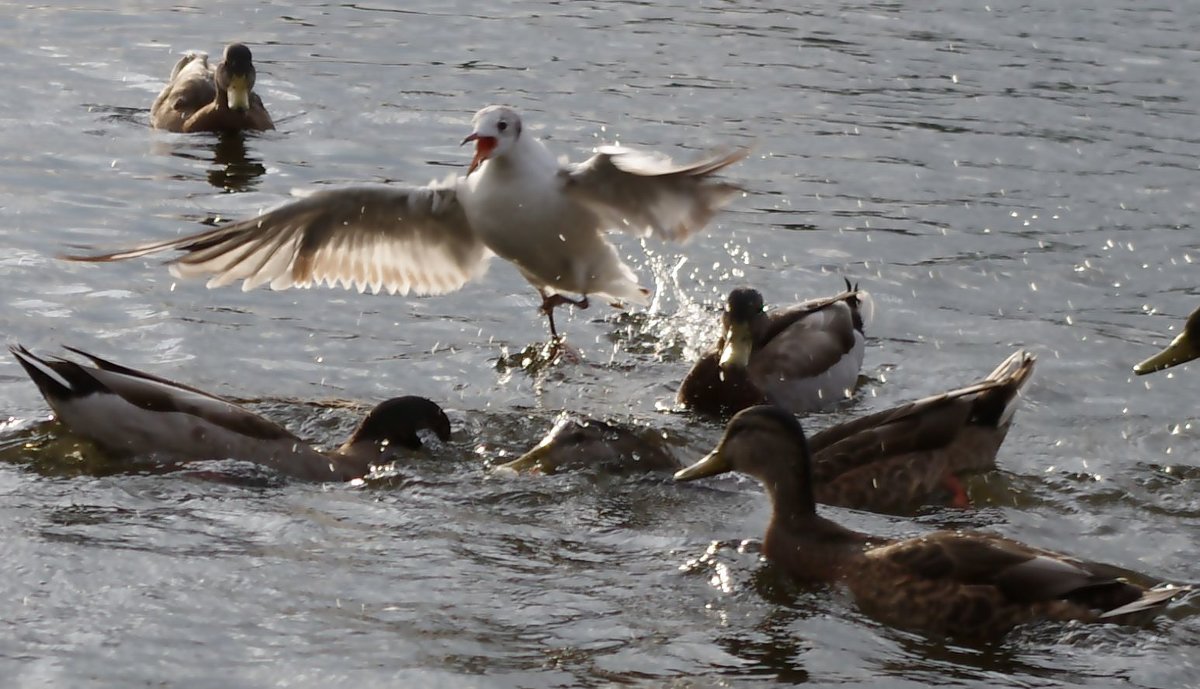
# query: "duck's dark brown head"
235 76
743 305
395 423
768 444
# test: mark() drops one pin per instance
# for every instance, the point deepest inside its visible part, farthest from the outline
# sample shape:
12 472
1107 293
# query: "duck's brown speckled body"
962 584
577 442
911 455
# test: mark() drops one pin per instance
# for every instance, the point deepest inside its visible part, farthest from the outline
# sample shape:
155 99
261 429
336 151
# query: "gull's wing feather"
647 194
388 238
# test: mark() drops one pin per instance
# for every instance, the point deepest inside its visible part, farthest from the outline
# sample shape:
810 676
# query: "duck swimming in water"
131 413
899 459
960 584
805 357
198 98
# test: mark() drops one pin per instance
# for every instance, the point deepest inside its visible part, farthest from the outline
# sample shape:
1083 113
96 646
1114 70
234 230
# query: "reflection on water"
232 170
229 165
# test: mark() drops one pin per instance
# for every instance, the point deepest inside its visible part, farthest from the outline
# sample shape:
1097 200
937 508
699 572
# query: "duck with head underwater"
198 98
958 584
805 357
130 413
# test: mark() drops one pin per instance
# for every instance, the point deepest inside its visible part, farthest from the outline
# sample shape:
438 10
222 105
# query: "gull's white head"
496 129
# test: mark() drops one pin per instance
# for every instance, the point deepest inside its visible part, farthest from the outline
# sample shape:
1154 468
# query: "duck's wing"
859 303
978 585
806 340
190 88
258 115
395 239
926 424
114 367
1021 573
84 395
648 195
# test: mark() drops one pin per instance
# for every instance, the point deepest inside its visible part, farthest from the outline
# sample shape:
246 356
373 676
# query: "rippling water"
996 176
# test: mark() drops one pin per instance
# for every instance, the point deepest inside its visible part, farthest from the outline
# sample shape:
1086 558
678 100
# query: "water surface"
998 177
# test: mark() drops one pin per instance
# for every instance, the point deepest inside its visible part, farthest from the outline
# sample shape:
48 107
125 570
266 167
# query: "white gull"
516 201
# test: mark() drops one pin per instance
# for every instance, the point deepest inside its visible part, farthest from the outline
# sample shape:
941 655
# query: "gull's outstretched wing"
394 239
648 195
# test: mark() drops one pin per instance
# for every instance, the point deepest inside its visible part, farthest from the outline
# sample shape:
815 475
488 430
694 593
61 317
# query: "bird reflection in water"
232 169
228 164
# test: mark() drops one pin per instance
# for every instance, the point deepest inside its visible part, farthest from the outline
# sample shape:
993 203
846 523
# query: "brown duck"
1184 348
198 98
899 459
962 584
805 357
576 442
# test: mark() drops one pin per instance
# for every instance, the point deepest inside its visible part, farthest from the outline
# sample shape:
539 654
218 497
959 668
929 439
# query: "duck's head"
743 311
395 423
767 443
235 76
1184 348
495 130
585 443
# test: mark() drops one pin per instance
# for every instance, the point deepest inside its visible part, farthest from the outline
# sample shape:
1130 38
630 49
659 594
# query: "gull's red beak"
484 145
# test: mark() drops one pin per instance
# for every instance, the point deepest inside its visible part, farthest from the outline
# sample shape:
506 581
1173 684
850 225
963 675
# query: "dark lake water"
996 176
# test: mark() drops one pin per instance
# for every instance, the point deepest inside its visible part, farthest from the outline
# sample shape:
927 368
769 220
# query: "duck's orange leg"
958 494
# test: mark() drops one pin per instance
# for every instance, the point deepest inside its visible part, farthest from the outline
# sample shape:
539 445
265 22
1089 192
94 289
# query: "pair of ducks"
962 584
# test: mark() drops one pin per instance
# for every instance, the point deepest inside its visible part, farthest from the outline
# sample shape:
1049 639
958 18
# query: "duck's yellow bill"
1181 350
738 344
530 462
711 465
239 93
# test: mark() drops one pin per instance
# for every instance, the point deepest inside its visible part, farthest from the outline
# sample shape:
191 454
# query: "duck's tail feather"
1009 378
57 380
46 378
